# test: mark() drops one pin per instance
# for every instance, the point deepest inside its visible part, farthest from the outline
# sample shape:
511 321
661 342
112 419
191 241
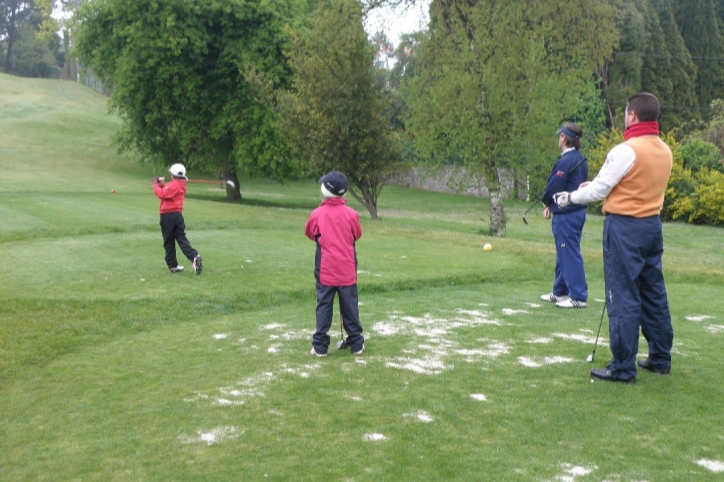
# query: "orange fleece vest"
641 191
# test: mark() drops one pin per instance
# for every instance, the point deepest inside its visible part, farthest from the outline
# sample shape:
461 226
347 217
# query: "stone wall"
448 179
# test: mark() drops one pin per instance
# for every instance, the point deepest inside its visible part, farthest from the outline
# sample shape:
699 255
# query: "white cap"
178 170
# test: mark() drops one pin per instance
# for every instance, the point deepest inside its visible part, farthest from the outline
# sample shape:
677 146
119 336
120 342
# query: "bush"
706 204
698 154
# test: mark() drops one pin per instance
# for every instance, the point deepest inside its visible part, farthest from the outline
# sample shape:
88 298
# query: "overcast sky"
395 22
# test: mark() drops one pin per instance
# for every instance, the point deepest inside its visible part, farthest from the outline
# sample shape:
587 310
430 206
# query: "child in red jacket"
172 220
335 228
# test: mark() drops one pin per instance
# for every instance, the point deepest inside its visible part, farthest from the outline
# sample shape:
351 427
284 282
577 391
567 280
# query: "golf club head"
589 359
525 220
341 345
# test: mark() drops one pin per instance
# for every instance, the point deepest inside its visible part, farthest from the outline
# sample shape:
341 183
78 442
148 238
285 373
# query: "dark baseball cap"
335 182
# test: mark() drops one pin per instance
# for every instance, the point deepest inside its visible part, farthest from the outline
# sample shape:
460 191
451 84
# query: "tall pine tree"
682 71
656 66
699 26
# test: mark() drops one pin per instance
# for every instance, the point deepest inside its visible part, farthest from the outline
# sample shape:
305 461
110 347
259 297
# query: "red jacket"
171 195
335 227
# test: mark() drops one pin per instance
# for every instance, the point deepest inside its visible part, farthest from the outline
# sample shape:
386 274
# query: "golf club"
569 172
534 205
208 181
592 355
341 344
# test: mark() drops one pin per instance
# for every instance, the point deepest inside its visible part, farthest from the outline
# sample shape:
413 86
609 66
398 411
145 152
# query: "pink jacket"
335 227
172 196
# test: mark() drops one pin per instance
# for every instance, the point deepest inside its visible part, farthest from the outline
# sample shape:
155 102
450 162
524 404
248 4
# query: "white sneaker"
359 352
177 269
553 298
314 352
571 303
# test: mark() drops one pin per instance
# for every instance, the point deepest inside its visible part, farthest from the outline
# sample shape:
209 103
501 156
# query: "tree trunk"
367 199
233 189
10 41
497 214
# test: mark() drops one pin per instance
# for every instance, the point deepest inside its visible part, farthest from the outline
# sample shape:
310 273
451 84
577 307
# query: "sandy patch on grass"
715 328
715 466
273 326
423 366
421 416
698 317
220 336
479 397
532 305
537 362
511 311
210 437
571 472
374 437
542 340
429 326
576 337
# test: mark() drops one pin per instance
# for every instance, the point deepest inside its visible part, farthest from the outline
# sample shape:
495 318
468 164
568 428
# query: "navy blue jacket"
562 179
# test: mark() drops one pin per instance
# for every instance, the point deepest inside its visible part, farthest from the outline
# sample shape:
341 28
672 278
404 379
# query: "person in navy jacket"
570 289
335 227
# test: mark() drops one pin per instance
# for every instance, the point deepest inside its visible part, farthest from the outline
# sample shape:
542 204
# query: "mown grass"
113 369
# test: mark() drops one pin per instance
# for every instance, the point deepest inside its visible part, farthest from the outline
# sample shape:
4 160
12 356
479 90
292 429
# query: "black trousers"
173 230
348 304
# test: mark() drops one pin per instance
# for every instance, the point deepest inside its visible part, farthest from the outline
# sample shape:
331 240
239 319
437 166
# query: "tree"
181 73
682 71
33 57
699 26
14 13
623 72
334 114
492 99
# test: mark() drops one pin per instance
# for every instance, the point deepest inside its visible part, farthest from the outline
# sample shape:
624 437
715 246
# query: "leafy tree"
699 26
13 13
334 114
183 75
33 56
493 99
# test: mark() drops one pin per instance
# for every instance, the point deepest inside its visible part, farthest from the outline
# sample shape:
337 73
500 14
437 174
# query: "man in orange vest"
631 184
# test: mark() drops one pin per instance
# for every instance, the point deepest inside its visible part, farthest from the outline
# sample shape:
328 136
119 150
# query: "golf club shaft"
595 345
534 205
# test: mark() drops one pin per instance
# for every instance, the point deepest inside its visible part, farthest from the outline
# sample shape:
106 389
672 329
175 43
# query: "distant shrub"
699 154
706 204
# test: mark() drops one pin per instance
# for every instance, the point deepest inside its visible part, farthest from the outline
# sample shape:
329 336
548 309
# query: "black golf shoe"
646 365
606 376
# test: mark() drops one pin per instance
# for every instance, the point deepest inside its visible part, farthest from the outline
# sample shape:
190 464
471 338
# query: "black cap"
335 182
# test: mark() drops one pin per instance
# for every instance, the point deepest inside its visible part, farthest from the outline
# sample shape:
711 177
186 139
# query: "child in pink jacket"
173 228
335 227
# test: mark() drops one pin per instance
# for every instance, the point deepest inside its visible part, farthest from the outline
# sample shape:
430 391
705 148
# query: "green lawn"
112 369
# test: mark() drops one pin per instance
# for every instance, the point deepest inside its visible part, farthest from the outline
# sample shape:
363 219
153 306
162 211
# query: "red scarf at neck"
648 128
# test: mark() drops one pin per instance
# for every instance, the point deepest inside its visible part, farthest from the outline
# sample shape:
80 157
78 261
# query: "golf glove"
563 199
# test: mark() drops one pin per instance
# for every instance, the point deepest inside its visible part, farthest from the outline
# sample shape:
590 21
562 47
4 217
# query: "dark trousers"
570 274
635 292
173 230
348 305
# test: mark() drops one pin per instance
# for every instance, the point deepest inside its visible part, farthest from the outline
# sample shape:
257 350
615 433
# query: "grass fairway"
112 369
